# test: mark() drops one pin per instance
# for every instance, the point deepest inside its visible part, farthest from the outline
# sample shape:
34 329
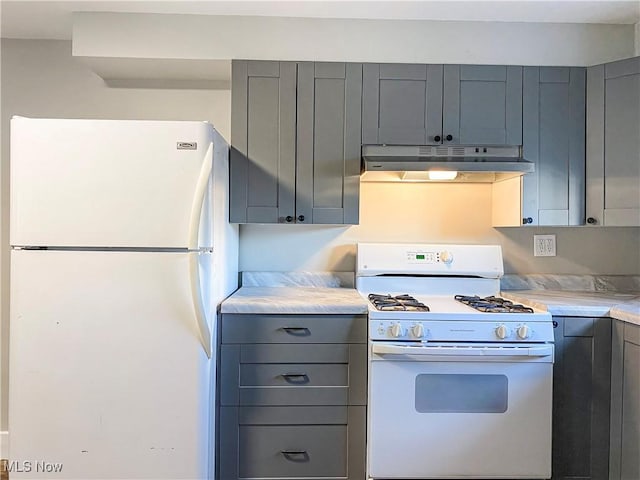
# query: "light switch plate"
544 245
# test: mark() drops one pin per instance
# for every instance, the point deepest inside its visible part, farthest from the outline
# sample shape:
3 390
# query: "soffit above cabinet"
191 48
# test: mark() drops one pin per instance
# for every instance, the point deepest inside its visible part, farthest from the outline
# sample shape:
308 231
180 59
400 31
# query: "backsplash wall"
436 213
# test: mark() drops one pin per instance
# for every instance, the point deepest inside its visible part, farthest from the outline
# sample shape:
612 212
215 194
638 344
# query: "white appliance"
121 251
454 391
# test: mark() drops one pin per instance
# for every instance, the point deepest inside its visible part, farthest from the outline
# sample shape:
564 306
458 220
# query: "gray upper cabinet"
431 104
613 143
482 105
554 139
401 104
263 132
328 143
295 135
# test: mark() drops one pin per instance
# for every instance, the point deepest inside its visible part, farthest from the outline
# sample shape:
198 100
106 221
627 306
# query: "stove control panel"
460 330
425 257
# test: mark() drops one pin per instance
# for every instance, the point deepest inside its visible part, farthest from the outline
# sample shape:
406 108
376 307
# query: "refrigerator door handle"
198 198
198 305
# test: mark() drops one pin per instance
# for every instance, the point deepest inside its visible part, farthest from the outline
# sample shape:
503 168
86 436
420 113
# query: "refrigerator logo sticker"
187 145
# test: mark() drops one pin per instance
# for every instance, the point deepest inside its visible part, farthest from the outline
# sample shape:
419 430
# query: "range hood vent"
473 164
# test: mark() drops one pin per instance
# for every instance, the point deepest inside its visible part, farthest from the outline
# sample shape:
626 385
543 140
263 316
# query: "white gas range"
459 379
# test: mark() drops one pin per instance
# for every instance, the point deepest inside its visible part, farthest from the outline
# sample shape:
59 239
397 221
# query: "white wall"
637 38
41 79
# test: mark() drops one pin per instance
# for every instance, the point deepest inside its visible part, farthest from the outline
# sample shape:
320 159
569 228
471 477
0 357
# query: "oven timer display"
423 257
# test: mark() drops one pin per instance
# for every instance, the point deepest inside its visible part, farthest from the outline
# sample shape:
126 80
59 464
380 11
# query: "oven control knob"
446 257
418 330
502 332
396 330
524 331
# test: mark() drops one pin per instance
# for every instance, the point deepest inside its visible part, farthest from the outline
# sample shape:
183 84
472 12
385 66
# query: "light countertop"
622 306
628 312
295 300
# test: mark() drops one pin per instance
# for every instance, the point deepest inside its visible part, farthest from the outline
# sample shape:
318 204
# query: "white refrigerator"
121 252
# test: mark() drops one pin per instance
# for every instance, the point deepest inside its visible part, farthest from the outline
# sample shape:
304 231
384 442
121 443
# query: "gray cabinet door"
553 138
625 402
482 105
401 104
613 143
581 379
328 143
263 130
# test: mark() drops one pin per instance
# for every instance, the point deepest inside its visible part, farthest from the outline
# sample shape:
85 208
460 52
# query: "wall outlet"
544 245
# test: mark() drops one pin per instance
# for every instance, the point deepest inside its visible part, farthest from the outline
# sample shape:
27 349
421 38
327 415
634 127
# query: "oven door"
460 411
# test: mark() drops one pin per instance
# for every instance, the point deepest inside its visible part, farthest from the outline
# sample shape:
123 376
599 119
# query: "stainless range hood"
424 163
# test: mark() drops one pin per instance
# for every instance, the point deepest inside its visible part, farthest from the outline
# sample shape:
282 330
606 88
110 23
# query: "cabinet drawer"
287 375
293 384
238 328
292 451
293 375
252 440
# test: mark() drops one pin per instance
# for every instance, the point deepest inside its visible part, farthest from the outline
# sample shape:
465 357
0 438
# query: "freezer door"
108 375
110 183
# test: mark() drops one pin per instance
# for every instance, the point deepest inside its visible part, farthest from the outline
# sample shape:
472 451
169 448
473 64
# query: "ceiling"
53 19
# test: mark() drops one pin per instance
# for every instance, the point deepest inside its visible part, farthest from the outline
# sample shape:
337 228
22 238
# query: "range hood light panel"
442 175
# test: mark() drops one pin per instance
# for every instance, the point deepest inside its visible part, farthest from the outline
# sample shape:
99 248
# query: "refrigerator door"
110 183
108 375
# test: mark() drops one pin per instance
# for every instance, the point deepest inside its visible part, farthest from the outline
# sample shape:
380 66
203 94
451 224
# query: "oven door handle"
440 351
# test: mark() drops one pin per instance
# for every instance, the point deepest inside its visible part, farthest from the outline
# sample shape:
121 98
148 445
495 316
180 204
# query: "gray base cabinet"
613 143
624 460
295 142
292 394
406 104
553 139
581 398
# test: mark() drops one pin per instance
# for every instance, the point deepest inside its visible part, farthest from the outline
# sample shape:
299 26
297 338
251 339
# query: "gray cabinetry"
482 105
292 394
263 132
431 104
581 398
295 135
624 463
401 104
554 139
613 143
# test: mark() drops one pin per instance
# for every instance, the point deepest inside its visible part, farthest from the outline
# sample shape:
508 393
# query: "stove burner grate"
399 302
493 304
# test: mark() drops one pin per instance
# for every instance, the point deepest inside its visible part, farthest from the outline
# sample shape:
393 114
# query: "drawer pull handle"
297 331
298 456
296 378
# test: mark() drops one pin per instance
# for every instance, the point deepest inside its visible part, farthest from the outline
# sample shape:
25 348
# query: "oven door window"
461 393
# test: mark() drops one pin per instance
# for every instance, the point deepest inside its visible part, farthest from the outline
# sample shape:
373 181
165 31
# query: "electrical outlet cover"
544 245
